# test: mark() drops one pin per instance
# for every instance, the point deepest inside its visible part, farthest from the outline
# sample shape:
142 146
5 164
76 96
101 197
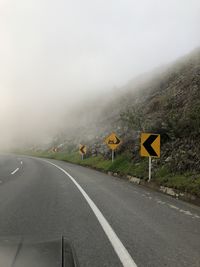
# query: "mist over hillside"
158 96
165 102
57 75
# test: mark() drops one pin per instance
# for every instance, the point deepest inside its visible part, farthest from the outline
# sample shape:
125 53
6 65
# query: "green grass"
123 165
182 182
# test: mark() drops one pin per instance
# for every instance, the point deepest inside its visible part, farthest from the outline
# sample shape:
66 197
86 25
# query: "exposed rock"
133 179
168 159
168 191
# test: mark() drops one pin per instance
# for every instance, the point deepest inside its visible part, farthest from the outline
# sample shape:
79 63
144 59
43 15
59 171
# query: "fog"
56 56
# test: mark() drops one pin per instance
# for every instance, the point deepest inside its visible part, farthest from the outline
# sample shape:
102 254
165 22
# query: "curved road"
39 198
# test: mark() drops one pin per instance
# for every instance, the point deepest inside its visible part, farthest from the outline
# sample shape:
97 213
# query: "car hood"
19 252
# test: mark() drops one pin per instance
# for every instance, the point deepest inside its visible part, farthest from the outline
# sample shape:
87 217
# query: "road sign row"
150 144
149 147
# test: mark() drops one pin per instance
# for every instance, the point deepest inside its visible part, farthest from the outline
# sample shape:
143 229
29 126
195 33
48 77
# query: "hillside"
166 101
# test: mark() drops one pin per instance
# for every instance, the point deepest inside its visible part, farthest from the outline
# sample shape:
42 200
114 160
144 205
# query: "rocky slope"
166 101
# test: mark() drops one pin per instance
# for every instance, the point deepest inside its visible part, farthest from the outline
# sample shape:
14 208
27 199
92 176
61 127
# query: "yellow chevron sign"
150 145
82 149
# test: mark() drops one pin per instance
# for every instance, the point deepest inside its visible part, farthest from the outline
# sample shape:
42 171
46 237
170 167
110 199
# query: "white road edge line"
15 171
119 248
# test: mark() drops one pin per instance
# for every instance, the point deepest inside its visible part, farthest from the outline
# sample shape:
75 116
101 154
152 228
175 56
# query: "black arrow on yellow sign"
150 145
82 149
147 145
116 142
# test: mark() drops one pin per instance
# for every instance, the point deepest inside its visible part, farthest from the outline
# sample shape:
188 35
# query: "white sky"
54 54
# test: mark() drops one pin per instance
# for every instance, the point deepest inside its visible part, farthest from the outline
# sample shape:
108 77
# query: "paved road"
38 199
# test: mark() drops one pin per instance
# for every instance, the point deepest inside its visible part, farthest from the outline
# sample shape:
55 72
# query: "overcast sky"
54 54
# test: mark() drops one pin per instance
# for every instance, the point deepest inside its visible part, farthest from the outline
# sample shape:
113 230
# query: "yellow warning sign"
113 141
150 145
82 149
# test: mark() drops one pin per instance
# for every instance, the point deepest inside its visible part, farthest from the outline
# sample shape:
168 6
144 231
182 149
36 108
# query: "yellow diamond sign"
113 141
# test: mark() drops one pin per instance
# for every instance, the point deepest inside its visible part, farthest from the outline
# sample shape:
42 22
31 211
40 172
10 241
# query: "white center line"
21 162
119 248
173 207
15 171
160 202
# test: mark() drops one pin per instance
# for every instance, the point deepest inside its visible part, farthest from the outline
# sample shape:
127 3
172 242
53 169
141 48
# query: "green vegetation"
185 183
194 118
123 165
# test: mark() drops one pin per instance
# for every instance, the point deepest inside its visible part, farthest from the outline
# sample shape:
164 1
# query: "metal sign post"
82 156
149 169
113 155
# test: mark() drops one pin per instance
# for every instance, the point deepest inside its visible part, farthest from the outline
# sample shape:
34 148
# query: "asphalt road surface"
109 221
